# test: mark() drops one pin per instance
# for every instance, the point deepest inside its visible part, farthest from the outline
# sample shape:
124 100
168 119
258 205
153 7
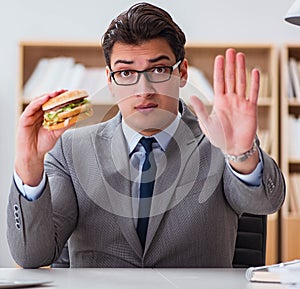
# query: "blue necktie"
146 189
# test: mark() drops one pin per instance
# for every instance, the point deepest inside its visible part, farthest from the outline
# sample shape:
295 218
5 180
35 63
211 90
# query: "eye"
125 73
160 70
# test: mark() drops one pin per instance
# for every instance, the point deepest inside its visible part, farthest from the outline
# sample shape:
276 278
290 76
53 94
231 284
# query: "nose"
144 86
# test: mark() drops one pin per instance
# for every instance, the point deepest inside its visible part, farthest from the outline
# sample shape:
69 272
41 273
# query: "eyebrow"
159 58
152 60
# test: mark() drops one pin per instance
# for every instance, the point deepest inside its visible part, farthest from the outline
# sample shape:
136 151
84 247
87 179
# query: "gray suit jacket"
87 202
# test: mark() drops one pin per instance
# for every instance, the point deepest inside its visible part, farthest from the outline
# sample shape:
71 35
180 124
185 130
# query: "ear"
183 72
108 77
107 72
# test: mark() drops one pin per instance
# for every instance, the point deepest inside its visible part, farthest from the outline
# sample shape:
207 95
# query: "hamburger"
65 109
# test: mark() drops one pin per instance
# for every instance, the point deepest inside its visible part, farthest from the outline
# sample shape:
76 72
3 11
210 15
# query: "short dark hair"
140 23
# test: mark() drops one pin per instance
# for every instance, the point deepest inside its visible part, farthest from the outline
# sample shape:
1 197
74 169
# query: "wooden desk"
138 278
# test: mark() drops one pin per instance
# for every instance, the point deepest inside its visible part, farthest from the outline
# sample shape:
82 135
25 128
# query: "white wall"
203 21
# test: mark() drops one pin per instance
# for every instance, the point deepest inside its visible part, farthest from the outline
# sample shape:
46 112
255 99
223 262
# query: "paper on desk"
285 273
5 284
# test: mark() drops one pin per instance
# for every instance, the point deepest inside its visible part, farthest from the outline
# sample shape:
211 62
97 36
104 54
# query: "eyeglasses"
155 74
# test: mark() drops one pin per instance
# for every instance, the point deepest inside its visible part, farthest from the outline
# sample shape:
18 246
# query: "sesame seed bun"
64 97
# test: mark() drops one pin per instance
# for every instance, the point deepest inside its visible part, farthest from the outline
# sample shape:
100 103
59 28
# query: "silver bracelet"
244 156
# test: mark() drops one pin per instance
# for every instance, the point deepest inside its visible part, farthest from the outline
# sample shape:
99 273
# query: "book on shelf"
294 137
265 139
197 84
292 202
290 90
93 80
63 73
286 273
31 85
264 88
294 75
289 84
294 181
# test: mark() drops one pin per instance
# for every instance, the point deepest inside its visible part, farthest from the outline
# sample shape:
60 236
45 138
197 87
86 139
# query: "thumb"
58 132
199 109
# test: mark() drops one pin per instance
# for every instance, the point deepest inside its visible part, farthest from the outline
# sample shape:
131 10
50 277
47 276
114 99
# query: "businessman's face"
148 101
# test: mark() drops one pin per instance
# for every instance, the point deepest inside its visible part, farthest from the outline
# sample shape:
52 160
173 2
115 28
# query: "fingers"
58 132
56 93
219 82
226 73
36 104
254 86
33 112
200 111
235 72
241 74
230 76
230 70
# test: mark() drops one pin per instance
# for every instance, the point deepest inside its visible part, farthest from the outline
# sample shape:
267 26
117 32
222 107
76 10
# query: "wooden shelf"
294 103
200 56
290 221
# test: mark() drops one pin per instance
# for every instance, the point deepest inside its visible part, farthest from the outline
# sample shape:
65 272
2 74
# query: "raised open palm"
232 123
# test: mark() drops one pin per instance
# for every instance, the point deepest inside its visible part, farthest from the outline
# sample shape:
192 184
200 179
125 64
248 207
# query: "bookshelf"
290 161
200 56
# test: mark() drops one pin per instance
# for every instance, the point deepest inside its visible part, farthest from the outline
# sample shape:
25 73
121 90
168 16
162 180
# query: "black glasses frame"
144 72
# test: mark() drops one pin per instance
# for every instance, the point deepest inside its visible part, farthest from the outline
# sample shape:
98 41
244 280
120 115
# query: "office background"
213 21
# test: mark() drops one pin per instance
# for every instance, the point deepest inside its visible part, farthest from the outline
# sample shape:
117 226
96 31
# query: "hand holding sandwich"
37 134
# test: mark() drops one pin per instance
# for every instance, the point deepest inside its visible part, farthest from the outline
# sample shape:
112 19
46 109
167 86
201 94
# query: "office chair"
63 260
250 247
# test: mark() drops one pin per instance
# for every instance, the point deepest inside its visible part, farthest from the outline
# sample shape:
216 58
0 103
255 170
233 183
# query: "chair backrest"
63 260
250 247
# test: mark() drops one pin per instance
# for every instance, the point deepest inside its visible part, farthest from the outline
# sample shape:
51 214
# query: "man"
170 199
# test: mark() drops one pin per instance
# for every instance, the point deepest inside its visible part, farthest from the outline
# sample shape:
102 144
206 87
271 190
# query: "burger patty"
59 111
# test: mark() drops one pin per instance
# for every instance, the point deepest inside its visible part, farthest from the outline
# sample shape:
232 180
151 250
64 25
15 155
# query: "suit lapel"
114 166
177 155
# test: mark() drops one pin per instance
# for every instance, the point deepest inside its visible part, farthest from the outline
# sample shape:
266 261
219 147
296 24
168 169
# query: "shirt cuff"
28 192
252 179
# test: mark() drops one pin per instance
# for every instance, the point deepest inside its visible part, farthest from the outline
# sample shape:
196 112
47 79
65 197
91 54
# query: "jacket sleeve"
37 230
266 198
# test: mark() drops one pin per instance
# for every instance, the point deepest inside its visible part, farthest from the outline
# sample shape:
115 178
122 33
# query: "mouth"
147 107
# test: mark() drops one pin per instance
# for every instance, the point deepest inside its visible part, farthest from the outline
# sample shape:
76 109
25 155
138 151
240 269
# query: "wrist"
244 156
30 171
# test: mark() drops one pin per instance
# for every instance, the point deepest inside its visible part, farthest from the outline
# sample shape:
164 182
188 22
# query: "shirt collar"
163 137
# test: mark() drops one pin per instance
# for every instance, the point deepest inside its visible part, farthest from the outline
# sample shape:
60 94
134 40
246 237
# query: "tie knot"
147 143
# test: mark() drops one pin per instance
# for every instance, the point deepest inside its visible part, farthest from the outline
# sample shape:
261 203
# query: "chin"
151 123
